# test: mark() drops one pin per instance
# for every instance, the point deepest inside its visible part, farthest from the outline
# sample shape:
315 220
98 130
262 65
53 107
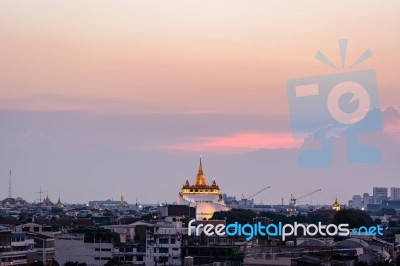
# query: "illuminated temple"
206 198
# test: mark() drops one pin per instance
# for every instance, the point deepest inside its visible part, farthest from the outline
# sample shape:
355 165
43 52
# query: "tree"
237 255
241 216
355 218
113 262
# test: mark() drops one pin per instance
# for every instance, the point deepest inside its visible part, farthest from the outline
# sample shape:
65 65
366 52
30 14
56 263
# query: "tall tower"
9 186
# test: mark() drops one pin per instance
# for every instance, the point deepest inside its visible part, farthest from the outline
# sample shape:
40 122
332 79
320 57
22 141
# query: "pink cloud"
241 142
392 129
391 117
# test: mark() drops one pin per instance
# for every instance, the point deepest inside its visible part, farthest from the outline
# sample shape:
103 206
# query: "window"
102 249
39 243
163 250
163 241
172 240
141 248
139 258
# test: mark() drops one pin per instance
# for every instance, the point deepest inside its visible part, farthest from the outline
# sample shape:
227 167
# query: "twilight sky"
106 98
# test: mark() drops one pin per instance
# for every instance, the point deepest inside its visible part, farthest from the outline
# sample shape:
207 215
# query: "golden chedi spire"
336 205
200 178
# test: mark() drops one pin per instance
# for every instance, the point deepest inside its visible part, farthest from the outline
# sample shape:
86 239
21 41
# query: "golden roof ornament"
186 183
200 178
336 205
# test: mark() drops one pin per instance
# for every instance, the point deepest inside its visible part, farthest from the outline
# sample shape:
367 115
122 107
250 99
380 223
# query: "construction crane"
293 200
255 194
244 202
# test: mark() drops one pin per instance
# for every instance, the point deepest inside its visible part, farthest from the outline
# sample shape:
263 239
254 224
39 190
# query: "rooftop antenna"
9 186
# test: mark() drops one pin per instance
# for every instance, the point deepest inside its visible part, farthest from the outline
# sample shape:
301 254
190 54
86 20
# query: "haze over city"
99 101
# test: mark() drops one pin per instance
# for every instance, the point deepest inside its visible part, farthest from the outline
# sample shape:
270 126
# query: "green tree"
355 218
241 216
237 255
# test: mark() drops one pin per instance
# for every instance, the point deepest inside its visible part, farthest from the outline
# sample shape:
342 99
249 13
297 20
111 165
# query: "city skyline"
99 101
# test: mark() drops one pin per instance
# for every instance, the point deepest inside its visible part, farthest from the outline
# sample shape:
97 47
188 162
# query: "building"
380 194
44 243
15 248
395 193
367 199
108 204
43 239
216 249
206 198
356 202
73 247
139 243
391 204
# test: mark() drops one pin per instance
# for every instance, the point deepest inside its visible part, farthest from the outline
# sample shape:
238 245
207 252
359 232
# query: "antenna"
9 186
40 192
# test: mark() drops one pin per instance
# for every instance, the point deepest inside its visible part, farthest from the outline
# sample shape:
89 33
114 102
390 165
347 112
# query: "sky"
100 99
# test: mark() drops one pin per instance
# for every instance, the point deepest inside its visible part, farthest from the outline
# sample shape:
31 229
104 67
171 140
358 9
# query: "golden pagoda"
336 205
200 185
206 198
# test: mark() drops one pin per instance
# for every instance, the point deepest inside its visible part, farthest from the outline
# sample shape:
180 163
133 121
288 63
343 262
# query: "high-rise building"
356 202
367 199
379 194
395 193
